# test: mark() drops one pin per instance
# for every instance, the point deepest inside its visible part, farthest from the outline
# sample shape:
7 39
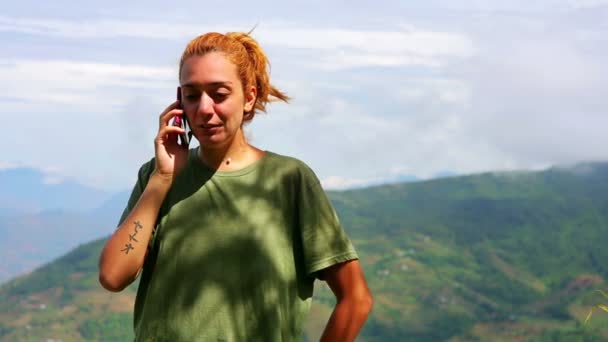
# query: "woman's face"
213 98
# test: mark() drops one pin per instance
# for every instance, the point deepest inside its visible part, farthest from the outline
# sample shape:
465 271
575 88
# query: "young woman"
229 238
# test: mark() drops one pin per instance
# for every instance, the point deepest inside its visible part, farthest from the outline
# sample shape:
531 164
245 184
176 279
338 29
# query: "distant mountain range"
40 221
489 257
28 190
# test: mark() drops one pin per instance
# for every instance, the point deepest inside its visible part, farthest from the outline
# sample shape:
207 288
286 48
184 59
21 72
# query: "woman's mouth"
210 125
210 129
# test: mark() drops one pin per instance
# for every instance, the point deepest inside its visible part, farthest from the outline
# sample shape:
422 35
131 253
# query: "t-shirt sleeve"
324 241
143 175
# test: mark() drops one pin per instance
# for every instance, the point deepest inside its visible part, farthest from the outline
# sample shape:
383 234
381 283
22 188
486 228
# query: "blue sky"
379 91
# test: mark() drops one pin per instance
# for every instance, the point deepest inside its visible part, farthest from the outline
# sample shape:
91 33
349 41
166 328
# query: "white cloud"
51 174
341 183
99 28
340 48
445 90
469 88
538 99
578 4
343 60
92 87
413 41
82 116
9 165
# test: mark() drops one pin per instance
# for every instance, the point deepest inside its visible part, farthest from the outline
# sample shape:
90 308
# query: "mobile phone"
182 121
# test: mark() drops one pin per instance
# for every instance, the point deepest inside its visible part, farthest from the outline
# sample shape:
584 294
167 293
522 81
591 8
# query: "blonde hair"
250 60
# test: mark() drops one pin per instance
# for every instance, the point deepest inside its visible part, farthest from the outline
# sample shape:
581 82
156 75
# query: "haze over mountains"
492 257
42 218
28 190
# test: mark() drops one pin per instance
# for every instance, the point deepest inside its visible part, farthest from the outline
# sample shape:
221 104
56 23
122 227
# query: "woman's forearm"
347 319
124 253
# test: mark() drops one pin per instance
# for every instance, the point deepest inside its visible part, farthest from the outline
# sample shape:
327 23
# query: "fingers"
168 129
169 113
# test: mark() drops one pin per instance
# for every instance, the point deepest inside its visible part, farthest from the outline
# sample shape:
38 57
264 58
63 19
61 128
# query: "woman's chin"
212 141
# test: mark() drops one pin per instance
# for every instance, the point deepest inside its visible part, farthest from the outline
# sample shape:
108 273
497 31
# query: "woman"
229 238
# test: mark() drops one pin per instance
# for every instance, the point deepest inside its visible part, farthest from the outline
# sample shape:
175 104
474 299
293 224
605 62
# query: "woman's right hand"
170 156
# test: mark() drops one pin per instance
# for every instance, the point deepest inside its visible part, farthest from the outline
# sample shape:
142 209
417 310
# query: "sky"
381 90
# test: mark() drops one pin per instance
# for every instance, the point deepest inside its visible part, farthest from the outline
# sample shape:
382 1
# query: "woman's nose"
205 105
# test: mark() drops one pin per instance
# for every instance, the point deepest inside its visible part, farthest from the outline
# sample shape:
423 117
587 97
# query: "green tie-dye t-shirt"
235 253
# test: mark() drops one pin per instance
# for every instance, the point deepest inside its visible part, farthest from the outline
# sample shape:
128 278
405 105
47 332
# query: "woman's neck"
233 156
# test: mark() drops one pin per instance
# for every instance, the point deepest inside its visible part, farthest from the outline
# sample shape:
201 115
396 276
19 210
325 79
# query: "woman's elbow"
360 303
114 279
366 302
110 283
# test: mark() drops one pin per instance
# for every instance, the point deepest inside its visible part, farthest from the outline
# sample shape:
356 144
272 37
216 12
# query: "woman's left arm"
354 301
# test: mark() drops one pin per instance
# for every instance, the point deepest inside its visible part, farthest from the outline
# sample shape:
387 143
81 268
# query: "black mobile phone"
182 121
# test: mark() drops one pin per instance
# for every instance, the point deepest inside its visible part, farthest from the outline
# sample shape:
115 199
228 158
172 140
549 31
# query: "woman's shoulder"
285 161
149 165
290 166
146 169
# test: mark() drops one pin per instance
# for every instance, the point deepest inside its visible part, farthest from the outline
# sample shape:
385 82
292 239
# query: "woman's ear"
250 96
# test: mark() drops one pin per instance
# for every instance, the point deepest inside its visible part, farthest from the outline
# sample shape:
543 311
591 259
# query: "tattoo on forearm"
129 246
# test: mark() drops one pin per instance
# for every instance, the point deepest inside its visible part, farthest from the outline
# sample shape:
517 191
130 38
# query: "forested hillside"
490 257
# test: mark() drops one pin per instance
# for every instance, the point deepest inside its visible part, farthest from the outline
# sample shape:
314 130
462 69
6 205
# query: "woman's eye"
220 96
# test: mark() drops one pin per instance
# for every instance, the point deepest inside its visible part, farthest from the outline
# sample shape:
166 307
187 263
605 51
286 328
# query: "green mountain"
487 257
